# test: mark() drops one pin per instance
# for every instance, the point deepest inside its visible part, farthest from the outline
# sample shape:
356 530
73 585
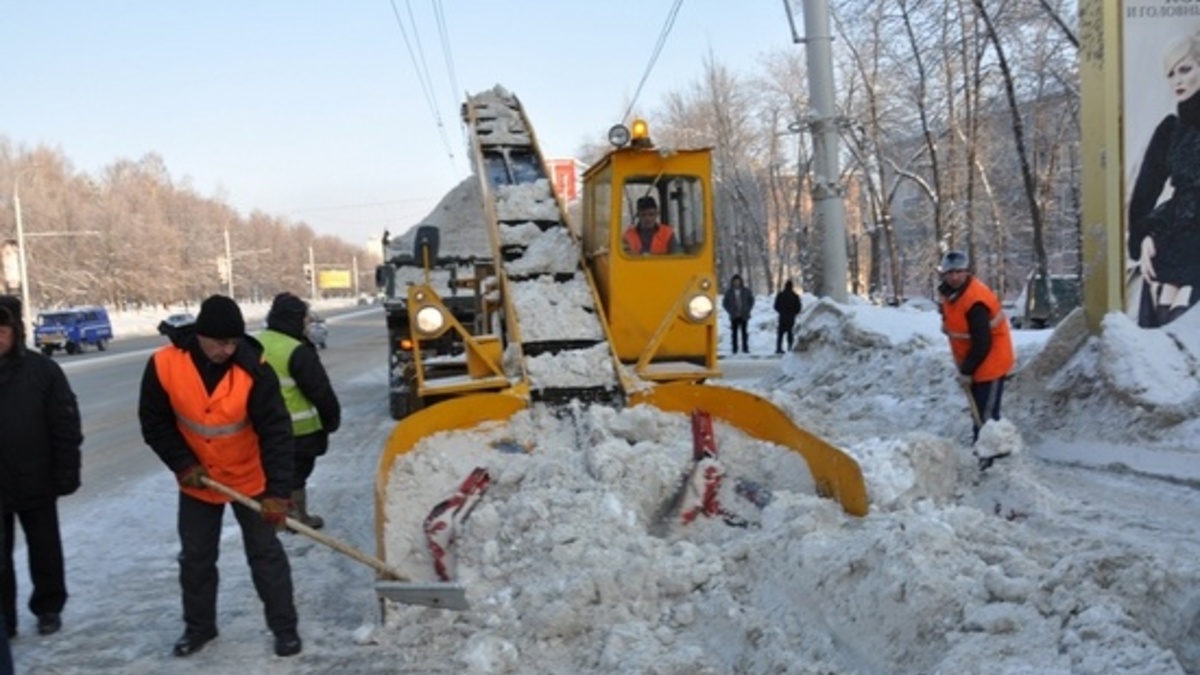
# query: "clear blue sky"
313 110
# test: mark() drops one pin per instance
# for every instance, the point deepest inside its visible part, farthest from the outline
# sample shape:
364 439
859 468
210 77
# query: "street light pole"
25 308
228 265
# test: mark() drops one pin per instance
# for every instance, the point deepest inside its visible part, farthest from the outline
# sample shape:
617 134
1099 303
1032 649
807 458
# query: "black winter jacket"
268 415
40 431
787 303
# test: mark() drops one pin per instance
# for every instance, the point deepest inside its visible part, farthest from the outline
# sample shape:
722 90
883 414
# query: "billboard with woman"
1161 112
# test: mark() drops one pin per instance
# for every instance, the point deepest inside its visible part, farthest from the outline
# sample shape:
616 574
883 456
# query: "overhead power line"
658 47
423 78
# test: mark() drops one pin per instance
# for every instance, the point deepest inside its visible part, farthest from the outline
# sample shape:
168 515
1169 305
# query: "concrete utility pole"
829 211
228 265
312 277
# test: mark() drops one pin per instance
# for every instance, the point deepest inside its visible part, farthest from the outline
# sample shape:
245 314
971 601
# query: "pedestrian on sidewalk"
40 438
738 302
787 306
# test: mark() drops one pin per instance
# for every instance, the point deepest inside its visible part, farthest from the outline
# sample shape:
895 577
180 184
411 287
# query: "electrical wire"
423 79
658 47
448 56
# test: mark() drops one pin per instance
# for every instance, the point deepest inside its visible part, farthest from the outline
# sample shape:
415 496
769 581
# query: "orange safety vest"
999 361
216 427
660 243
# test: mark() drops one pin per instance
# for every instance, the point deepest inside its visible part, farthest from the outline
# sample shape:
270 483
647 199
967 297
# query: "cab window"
676 202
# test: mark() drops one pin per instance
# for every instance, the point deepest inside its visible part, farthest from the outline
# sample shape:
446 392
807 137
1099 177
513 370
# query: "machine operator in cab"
647 236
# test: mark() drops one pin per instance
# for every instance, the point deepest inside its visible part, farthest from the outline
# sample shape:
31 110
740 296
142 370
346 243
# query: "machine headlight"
430 320
699 307
618 135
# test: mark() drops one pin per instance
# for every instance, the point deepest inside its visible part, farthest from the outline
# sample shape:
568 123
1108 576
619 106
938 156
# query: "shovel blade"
436 594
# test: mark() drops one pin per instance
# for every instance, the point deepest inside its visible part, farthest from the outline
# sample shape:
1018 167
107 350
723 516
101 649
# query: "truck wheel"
72 348
398 403
48 351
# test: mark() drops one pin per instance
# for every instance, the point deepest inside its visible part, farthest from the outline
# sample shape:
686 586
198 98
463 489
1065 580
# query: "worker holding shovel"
211 407
980 340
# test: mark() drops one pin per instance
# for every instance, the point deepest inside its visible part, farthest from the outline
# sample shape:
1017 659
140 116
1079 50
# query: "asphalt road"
107 386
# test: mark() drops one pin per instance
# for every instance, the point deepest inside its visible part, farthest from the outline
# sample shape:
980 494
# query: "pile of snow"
570 568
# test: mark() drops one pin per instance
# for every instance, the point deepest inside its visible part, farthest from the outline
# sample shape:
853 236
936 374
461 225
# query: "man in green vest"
307 393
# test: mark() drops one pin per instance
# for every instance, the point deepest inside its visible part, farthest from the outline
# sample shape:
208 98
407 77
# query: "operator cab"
647 231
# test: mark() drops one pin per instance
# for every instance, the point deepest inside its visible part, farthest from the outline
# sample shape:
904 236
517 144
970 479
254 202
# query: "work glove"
190 477
275 510
965 381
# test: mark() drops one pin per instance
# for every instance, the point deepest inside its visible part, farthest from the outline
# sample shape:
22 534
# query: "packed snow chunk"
488 653
1146 366
998 438
554 252
550 310
519 234
591 367
902 471
526 201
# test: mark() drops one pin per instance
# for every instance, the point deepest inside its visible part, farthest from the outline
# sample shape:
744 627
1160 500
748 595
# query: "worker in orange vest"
211 407
980 339
648 235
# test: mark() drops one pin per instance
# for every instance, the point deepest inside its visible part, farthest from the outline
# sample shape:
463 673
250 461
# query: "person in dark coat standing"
307 393
6 664
787 305
211 407
40 437
738 302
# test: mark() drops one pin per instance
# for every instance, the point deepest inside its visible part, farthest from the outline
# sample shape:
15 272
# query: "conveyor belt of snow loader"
553 325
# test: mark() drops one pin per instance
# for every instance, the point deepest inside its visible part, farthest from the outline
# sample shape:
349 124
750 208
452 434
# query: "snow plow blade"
836 474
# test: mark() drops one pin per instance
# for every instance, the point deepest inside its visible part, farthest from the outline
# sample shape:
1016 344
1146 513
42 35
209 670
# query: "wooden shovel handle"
297 526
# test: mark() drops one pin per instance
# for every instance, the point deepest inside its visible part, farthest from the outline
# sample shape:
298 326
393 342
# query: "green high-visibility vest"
278 348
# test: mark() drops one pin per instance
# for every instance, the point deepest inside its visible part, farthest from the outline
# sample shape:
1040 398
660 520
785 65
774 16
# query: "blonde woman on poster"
1164 238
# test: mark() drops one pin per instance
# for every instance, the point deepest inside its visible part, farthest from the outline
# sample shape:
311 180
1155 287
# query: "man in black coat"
787 305
6 664
39 462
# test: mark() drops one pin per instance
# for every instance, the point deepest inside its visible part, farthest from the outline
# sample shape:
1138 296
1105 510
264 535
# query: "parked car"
72 329
317 331
1034 308
175 321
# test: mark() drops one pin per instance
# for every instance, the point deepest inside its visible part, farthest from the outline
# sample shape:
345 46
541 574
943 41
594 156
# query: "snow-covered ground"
1079 555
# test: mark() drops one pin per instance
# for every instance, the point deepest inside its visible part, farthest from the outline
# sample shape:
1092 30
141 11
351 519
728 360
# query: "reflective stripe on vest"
215 426
278 348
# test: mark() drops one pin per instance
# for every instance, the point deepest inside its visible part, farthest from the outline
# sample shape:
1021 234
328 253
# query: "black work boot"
300 510
191 642
287 643
49 623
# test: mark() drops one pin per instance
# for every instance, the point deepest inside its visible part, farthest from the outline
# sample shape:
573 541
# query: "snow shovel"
394 586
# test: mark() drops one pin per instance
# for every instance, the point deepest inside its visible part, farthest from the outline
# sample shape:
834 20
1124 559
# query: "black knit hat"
286 305
220 318
287 315
645 203
13 304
